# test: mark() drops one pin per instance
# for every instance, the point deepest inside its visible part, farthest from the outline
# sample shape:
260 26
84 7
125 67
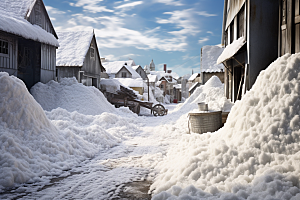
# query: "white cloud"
205 14
111 57
114 35
169 2
91 6
184 20
203 40
129 5
209 32
52 10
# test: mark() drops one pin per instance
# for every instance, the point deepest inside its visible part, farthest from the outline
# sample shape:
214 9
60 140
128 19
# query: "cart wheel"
158 110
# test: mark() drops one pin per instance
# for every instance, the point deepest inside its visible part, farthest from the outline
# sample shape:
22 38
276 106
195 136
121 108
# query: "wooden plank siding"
48 57
40 17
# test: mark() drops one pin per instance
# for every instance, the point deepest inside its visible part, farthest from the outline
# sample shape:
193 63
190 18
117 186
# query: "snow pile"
255 155
31 146
130 82
211 93
72 96
209 56
73 47
110 85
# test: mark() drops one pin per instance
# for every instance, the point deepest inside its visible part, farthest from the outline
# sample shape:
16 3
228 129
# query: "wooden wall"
40 17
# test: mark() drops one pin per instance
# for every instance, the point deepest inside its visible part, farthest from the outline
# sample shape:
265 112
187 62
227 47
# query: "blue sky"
170 32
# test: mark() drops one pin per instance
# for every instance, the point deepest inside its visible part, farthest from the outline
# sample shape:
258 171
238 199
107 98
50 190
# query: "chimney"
169 71
165 68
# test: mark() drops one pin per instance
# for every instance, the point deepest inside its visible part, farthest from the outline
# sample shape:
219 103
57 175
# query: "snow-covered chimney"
165 68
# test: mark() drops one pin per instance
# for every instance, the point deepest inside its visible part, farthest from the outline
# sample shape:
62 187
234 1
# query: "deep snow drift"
255 155
71 96
31 146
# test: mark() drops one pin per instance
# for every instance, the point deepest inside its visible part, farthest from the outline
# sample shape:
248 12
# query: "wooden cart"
127 98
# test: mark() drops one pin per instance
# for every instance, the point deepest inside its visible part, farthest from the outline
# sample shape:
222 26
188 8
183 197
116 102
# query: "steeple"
152 66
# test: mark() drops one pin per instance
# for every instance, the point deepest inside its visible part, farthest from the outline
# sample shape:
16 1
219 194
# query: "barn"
78 56
28 41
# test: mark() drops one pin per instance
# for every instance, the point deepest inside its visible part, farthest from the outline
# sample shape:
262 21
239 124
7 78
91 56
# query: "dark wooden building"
28 41
250 35
78 56
289 27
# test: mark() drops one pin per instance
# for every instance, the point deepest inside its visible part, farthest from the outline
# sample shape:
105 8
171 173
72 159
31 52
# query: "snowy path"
110 174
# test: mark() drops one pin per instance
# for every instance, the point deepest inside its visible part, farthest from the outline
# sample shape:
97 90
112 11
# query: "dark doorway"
29 62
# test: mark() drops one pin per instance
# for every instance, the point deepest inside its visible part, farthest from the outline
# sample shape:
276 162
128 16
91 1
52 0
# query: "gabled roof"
116 66
13 15
74 46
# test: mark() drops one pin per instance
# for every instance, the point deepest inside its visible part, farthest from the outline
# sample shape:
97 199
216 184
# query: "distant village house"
78 56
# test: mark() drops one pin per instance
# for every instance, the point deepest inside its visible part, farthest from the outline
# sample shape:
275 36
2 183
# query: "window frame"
4 51
123 74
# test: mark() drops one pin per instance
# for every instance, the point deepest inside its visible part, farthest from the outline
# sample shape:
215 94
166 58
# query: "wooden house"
28 41
289 27
121 69
78 56
209 66
250 36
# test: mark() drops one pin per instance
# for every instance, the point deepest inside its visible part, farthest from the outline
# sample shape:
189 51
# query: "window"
241 17
124 74
3 47
92 52
162 86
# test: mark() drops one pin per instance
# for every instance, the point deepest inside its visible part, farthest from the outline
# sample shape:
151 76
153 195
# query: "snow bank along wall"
255 155
32 146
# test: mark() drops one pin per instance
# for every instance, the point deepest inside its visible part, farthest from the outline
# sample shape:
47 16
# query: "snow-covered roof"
130 82
195 75
177 86
74 46
161 74
209 58
135 67
12 20
17 8
152 78
231 50
193 86
116 66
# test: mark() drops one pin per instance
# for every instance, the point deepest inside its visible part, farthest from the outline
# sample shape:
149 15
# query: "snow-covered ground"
64 153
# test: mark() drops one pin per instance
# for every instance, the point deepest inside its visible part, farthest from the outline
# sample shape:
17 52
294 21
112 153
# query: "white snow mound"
211 93
31 146
72 96
255 155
